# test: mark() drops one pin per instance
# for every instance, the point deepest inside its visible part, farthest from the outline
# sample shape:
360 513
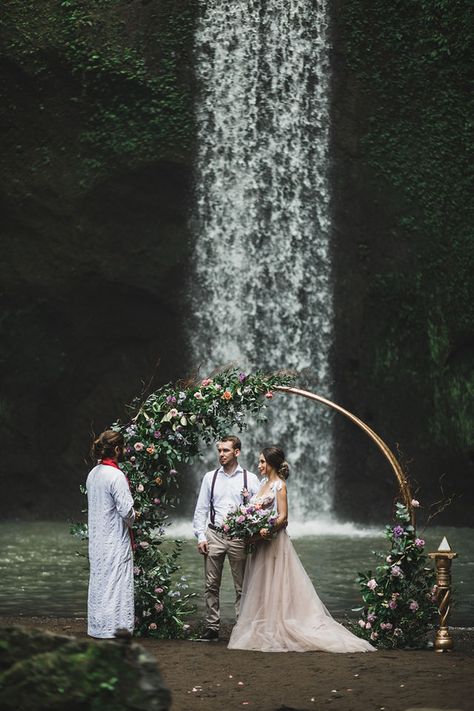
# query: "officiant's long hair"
275 457
103 447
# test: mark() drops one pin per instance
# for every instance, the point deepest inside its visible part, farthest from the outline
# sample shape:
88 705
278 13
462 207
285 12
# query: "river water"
43 569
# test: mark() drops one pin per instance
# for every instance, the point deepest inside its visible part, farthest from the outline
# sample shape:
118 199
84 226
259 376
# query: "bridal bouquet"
246 521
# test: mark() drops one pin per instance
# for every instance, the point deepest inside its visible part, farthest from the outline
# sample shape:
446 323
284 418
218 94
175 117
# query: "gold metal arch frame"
404 487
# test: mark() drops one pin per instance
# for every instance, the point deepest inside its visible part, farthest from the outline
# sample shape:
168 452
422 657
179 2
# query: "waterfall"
261 286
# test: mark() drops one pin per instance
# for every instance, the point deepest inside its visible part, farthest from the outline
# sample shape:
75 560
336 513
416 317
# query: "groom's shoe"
209 635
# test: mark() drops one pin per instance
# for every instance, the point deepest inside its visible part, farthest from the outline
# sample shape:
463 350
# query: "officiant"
110 603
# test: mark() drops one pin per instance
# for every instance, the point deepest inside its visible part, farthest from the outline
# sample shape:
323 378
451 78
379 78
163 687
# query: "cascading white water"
261 287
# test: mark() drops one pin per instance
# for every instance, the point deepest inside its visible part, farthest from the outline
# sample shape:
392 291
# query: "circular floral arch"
169 428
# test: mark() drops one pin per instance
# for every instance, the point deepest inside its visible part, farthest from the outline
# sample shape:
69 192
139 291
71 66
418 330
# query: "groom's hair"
236 443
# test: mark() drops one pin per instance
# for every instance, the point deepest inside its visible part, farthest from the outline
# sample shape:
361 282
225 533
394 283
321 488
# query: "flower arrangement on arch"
400 595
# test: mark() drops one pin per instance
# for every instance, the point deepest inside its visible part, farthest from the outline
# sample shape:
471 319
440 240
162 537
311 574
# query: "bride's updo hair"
275 457
104 446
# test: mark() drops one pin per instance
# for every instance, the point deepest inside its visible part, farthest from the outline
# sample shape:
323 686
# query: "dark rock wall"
404 247
97 126
95 192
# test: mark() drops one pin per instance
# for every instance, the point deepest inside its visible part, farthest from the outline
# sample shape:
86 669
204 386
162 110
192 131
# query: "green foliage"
170 427
409 60
400 596
127 92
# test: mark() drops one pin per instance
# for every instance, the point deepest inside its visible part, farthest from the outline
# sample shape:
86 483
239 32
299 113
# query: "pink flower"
173 472
240 519
374 635
361 623
371 617
226 527
386 626
152 626
269 395
138 446
158 590
392 604
414 606
173 412
144 544
368 625
206 382
415 503
372 584
419 542
133 459
388 559
140 488
159 606
198 395
157 501
396 571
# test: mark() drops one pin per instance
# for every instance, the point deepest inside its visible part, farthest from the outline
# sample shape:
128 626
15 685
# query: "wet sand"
208 676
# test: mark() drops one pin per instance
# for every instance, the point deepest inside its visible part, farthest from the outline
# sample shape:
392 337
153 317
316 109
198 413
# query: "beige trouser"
220 546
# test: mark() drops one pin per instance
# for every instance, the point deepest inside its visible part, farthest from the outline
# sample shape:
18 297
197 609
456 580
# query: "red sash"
112 463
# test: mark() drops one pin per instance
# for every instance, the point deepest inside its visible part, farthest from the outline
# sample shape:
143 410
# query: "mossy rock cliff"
97 124
42 671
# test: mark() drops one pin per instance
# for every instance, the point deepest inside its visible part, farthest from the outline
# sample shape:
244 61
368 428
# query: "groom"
221 491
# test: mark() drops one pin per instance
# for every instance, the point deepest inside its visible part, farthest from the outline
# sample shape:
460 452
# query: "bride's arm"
282 508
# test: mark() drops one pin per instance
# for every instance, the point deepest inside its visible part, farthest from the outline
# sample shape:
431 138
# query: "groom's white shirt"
227 494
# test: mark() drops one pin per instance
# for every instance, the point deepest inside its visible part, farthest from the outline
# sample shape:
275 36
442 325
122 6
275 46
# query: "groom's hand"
202 548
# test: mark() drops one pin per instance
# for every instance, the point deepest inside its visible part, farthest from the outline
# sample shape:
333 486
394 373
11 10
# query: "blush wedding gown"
280 609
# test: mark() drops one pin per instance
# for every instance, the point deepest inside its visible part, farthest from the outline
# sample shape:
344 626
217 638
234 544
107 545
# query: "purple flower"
414 606
170 399
371 617
398 531
240 519
396 571
372 584
392 604
386 625
157 434
242 377
419 542
173 472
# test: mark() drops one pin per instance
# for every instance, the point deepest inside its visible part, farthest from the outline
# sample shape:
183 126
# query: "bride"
280 609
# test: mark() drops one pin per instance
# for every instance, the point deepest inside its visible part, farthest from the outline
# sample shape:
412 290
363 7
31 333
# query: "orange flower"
226 395
150 450
158 481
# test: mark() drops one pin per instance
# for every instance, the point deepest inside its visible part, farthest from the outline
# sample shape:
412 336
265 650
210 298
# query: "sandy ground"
208 676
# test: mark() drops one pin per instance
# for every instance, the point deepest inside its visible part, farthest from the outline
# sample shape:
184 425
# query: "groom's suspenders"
211 501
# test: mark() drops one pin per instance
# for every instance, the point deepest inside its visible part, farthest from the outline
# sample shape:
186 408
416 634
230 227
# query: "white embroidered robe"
110 508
